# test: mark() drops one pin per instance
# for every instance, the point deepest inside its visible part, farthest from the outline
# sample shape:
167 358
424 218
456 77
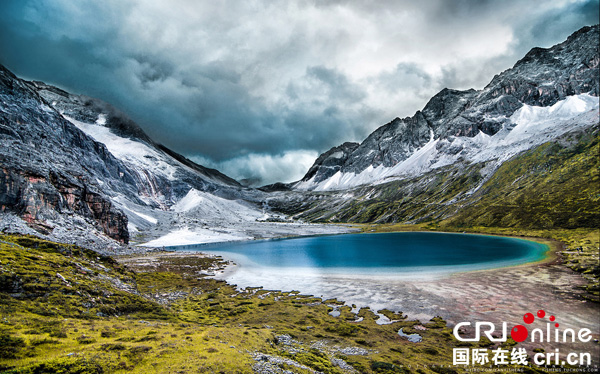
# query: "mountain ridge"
120 124
542 77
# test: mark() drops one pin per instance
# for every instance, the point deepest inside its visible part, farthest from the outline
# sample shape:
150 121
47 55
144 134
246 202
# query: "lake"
423 274
402 254
409 271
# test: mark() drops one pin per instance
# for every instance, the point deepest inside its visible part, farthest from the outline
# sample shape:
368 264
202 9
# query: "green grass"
552 186
105 318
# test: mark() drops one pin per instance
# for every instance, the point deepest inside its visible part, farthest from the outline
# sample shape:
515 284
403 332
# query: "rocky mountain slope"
38 188
455 125
554 185
75 169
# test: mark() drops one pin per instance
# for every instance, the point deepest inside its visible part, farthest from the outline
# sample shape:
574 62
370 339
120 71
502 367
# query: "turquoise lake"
381 253
406 271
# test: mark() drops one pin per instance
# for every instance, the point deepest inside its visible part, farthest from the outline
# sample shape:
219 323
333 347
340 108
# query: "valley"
89 203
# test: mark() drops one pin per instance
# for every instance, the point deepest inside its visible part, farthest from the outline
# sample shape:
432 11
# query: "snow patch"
190 201
131 227
186 236
143 216
136 154
46 108
101 121
207 205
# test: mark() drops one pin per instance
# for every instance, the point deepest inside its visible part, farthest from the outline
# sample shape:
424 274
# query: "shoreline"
495 295
551 258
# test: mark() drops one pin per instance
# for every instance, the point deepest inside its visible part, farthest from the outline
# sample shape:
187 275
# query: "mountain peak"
542 77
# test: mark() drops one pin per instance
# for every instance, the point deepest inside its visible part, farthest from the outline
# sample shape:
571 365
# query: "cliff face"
50 167
38 198
542 78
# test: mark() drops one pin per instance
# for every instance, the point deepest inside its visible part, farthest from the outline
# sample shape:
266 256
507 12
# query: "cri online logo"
519 333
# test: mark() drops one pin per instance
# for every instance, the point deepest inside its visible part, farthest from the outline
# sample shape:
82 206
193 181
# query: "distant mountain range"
518 152
463 125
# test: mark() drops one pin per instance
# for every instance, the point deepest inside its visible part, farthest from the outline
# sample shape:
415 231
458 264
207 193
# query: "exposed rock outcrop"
49 167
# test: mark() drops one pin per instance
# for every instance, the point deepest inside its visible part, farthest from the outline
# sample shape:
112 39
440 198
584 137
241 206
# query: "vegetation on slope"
556 185
552 191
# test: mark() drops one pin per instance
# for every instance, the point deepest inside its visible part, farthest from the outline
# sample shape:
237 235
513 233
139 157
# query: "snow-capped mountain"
547 93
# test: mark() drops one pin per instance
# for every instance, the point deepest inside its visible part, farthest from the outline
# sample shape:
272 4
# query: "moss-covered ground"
68 310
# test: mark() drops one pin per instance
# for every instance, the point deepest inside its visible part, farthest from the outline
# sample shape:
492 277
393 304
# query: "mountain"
461 126
73 163
40 189
83 109
75 169
522 152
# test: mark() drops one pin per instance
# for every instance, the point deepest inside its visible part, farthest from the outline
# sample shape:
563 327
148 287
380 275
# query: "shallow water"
372 270
367 269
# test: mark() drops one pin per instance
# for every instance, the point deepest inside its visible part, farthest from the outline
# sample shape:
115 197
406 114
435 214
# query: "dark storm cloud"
259 88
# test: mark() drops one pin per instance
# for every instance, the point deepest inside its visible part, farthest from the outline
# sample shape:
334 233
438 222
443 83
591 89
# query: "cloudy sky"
259 88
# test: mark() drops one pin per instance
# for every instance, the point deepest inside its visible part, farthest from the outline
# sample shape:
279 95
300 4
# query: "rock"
330 162
49 167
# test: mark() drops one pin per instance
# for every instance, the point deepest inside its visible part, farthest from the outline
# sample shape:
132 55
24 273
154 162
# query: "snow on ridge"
563 109
534 126
125 204
134 153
